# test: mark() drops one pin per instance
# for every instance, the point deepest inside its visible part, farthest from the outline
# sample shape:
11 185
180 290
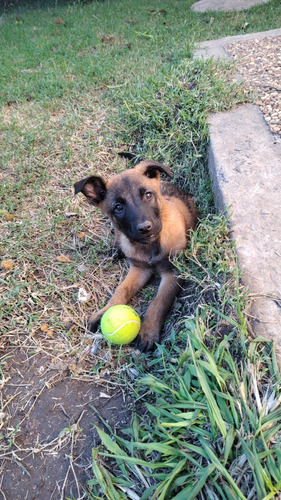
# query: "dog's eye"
148 195
118 208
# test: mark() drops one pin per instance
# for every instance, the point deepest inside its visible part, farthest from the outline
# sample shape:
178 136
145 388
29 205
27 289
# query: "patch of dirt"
259 62
49 427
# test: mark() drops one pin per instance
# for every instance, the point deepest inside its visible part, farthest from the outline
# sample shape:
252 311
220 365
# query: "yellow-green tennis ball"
120 324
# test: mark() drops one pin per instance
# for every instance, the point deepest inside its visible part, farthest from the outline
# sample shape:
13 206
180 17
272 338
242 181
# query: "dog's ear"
153 169
93 187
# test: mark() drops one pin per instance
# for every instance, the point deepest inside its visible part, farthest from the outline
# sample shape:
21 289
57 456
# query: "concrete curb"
245 168
244 164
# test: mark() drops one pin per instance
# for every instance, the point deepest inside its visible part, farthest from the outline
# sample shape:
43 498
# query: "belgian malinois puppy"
151 218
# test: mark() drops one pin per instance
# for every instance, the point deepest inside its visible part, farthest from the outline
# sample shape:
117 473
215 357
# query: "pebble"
259 62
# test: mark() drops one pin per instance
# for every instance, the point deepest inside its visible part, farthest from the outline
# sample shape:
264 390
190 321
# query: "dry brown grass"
56 245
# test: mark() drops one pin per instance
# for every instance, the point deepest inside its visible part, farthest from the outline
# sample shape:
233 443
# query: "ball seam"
121 326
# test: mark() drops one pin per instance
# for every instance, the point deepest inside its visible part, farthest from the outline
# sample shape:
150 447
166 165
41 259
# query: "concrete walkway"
245 167
216 48
226 5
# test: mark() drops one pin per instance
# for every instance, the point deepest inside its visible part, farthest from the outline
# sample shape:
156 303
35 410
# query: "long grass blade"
213 407
193 490
214 459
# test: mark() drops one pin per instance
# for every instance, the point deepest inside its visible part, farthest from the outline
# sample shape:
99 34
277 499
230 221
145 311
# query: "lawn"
200 416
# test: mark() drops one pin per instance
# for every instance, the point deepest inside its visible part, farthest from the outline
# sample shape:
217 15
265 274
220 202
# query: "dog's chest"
146 254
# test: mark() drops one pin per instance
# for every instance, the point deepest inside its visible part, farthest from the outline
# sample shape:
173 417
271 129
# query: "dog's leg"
157 311
134 281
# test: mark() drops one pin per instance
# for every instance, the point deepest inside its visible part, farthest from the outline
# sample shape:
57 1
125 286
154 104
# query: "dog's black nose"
144 227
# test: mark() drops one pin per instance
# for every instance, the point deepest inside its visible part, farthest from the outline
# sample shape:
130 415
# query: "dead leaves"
7 265
65 259
60 21
6 215
158 12
110 39
83 295
45 328
81 236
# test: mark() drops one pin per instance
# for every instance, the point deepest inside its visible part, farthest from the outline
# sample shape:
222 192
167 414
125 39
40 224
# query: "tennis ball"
120 324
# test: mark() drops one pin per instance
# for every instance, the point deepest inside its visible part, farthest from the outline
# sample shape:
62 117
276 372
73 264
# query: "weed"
212 421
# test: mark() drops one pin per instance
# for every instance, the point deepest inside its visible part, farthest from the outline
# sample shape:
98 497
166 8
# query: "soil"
50 455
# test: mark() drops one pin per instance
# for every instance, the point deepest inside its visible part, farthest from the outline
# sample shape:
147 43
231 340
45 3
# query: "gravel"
259 63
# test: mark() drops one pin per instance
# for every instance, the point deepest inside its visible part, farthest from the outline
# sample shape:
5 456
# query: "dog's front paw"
146 339
93 322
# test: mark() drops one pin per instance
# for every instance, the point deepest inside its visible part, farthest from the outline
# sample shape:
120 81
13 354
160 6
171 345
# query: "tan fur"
151 220
173 236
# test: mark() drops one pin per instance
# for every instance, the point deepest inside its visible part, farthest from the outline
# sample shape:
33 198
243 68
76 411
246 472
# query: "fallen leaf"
4 213
144 34
82 268
71 214
7 265
64 258
60 20
83 295
109 39
160 11
9 217
103 395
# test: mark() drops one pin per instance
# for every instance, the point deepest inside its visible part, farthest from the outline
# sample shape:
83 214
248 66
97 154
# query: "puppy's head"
132 199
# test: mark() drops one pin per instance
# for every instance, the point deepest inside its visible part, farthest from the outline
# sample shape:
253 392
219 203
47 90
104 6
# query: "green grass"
56 51
79 82
208 426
